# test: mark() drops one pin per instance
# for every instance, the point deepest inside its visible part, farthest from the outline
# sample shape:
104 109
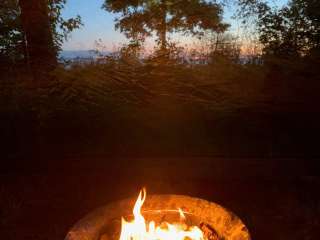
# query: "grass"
124 107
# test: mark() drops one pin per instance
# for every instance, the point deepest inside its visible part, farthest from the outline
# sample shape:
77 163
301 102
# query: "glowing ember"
138 229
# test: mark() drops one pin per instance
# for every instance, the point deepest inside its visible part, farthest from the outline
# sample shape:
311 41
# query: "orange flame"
138 229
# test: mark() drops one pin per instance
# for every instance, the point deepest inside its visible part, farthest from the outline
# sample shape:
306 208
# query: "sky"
99 24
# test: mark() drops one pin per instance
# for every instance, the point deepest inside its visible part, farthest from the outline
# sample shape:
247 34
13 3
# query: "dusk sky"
99 24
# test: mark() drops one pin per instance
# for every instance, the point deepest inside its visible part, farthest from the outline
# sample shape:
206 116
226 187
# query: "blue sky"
99 24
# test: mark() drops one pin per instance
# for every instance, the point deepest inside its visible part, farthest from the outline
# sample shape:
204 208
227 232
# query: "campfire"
139 229
160 217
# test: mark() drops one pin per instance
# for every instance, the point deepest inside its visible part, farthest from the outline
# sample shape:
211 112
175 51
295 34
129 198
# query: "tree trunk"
25 50
39 40
163 26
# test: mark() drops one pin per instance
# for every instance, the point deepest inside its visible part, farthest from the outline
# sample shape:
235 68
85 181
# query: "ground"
276 198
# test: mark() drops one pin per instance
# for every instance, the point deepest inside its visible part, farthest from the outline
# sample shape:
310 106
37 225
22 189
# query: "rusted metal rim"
227 224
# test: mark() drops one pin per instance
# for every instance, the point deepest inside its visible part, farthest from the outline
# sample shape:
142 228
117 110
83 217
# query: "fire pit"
162 217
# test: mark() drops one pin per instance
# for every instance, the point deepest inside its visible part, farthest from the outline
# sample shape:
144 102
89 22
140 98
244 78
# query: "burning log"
209 232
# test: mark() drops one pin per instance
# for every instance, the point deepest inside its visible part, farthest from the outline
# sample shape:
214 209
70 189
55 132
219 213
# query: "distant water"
92 55
73 54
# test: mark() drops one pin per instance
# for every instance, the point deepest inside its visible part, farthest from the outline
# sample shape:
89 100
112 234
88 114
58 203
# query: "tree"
12 45
38 35
293 30
140 18
17 17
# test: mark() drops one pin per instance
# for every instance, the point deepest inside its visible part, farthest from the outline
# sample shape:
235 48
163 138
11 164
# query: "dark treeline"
209 103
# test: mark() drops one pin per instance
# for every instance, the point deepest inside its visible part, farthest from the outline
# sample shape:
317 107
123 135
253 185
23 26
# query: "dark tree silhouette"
38 34
139 19
293 30
12 44
33 32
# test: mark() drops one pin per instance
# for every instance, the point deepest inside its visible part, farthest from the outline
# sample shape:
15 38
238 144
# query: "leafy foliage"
139 19
11 36
293 30
61 27
12 39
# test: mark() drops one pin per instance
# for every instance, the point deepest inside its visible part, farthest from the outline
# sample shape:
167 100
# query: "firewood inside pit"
209 232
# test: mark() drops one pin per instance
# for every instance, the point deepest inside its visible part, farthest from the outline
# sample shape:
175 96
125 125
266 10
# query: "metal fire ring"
227 225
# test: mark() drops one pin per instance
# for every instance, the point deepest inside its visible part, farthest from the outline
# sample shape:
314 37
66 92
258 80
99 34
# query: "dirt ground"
276 198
